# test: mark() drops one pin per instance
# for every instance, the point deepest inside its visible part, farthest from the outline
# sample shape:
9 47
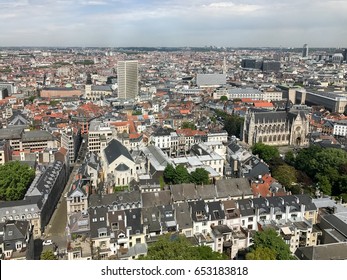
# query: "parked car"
47 242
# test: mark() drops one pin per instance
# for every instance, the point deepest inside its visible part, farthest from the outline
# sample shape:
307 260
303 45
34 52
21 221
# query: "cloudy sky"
154 23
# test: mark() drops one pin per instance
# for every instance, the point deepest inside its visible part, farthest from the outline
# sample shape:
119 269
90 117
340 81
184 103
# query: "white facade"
340 128
127 72
98 136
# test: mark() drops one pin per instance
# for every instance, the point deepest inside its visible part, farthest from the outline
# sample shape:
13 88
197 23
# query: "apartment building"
99 135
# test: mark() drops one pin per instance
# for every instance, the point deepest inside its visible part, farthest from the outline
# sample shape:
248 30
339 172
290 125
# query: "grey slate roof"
101 88
151 218
100 214
215 211
114 150
233 187
206 191
14 230
335 251
183 217
270 117
196 207
134 220
150 199
36 135
183 192
11 133
122 167
119 199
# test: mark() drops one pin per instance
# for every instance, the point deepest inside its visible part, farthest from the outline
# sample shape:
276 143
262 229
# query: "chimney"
206 208
272 212
287 212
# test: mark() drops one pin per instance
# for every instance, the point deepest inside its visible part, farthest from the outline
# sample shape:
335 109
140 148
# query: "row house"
16 242
224 189
282 209
117 234
295 234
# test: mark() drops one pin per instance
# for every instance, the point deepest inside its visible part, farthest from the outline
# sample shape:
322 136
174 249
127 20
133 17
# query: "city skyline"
117 23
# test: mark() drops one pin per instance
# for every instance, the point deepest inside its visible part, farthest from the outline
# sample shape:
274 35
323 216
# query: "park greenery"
15 178
180 175
265 152
268 245
178 247
188 125
48 255
223 98
232 123
314 167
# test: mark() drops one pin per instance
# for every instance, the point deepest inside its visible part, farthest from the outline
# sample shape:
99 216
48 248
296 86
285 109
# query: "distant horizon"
99 23
169 47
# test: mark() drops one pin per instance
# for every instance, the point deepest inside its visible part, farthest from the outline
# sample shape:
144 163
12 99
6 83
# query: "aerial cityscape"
149 131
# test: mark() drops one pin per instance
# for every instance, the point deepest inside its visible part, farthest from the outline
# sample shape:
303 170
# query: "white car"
47 242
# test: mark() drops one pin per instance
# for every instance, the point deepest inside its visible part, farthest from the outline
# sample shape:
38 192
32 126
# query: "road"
56 228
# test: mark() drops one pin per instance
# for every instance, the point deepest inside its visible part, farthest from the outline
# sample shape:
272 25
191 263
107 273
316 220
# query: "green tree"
285 174
178 247
271 240
182 175
200 176
223 98
261 253
15 178
326 166
265 152
324 184
233 124
48 255
188 125
289 158
169 174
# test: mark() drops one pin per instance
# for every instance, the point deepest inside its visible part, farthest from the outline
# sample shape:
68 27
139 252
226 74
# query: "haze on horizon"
175 23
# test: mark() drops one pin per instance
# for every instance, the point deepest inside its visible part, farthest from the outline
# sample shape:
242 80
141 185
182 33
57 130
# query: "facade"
70 140
19 139
5 154
276 128
53 93
127 72
340 128
99 135
118 164
97 92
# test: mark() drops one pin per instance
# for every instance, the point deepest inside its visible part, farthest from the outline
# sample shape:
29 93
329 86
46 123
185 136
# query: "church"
276 128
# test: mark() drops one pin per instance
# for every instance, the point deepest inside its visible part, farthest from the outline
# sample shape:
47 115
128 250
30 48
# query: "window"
250 219
95 220
115 226
102 219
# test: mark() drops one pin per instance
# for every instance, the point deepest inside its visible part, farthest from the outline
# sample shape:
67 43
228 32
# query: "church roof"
270 117
277 116
114 150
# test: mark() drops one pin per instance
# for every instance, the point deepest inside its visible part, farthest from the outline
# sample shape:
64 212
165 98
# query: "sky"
176 23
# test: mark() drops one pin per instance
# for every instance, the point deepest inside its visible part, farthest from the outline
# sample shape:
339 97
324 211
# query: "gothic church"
276 128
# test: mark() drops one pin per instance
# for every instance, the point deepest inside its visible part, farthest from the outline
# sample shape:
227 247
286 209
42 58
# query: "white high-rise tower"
127 77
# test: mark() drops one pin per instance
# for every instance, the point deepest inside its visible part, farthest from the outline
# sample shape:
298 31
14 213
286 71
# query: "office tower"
305 51
345 55
127 72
